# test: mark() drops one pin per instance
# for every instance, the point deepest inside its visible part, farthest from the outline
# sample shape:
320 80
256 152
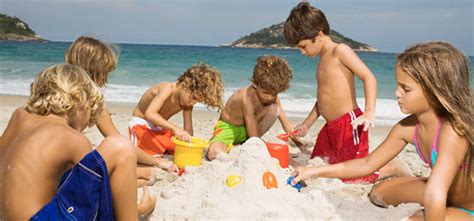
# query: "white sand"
201 193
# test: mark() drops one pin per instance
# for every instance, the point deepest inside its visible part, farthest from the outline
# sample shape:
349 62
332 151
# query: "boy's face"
187 99
265 97
310 47
409 93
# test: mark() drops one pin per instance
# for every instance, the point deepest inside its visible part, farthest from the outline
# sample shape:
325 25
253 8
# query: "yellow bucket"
188 154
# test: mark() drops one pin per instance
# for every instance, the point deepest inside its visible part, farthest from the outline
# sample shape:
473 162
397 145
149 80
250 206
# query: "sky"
388 25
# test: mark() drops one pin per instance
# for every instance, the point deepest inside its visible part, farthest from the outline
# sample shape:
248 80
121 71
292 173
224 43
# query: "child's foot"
146 204
146 176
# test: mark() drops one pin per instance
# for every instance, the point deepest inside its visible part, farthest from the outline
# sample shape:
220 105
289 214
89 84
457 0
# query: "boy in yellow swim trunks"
252 110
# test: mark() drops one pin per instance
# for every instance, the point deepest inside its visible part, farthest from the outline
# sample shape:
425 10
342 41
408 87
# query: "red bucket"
280 152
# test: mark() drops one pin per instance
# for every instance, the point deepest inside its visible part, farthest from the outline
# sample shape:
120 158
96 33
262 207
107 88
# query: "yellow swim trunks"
229 134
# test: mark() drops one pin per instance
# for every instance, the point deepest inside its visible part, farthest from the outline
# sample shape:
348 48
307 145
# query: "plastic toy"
269 180
233 180
296 186
285 137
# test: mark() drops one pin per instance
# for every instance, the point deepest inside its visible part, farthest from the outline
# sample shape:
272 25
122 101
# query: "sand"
201 193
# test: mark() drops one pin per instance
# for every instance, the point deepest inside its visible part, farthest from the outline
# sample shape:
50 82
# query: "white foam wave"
387 111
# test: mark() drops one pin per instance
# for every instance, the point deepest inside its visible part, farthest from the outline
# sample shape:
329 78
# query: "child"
433 86
47 168
99 59
252 110
344 136
150 129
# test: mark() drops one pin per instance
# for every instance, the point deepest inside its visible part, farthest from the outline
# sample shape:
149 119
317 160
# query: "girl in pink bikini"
433 86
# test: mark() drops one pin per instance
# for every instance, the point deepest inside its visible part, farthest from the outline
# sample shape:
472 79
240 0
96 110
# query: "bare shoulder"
405 128
64 137
343 51
448 135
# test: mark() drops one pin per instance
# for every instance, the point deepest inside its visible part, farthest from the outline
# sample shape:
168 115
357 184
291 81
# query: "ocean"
141 66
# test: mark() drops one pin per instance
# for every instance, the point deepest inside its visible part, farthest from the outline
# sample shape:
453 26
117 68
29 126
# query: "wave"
295 105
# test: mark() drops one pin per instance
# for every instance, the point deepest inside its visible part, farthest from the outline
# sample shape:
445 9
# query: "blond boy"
252 110
345 135
150 129
46 165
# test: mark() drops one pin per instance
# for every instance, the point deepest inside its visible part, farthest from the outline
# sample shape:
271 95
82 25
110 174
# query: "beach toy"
296 186
280 152
285 137
181 171
188 153
233 180
269 180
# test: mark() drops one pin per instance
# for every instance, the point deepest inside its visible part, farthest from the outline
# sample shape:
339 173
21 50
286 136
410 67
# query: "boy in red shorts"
345 135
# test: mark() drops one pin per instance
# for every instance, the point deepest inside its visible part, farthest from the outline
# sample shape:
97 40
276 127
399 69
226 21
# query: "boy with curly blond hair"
49 169
150 129
251 111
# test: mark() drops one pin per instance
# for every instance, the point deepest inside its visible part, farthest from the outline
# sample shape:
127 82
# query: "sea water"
141 66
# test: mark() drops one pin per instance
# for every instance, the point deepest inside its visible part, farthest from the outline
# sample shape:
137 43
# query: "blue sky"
389 25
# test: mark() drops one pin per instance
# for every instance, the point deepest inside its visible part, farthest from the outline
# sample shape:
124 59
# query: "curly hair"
443 73
205 82
94 56
64 89
305 22
272 74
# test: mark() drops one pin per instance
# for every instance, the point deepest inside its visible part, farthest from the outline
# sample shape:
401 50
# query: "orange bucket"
280 152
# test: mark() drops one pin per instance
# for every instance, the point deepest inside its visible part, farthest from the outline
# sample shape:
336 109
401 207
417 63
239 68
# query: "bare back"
233 111
170 107
335 83
32 160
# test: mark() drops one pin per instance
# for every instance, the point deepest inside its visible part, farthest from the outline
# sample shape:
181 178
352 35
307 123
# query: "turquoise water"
141 66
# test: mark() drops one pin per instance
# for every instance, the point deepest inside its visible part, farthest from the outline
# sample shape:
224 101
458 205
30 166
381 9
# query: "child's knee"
376 197
118 147
214 149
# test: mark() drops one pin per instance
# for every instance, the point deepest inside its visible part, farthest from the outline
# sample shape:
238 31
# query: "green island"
273 37
14 29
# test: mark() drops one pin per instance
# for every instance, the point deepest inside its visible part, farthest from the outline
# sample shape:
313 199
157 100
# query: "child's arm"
386 151
303 128
152 115
188 120
249 117
288 127
357 66
451 152
106 125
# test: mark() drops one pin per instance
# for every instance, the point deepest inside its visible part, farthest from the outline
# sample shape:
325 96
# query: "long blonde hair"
64 89
443 73
96 57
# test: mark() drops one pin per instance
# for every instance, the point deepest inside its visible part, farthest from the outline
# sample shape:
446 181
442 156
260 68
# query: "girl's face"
409 93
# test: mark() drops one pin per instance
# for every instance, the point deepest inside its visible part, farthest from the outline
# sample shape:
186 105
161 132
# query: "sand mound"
202 193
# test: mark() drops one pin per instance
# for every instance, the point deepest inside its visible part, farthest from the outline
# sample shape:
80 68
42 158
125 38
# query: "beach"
201 193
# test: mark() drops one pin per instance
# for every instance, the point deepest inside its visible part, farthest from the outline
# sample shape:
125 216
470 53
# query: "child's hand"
303 173
368 119
301 130
167 165
182 135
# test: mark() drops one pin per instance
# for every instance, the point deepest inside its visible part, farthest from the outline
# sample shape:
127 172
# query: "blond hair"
272 74
94 56
204 81
63 90
443 73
